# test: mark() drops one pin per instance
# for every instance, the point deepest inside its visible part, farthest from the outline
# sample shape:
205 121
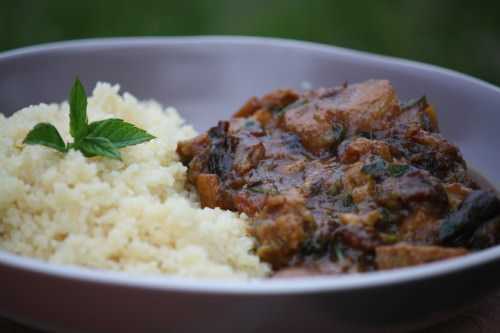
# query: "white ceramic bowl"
207 78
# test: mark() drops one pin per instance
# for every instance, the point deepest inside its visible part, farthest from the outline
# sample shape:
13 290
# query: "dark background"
461 35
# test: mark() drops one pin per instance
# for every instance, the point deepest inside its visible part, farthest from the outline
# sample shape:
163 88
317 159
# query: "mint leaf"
92 146
119 132
78 122
46 135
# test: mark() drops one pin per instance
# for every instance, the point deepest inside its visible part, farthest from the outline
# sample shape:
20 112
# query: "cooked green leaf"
78 122
368 135
271 191
339 252
477 208
389 238
397 170
417 102
335 188
46 135
119 132
347 200
376 168
297 104
99 146
339 132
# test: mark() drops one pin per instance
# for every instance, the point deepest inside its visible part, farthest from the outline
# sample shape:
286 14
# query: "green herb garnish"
271 191
339 132
339 252
397 170
417 102
294 105
257 189
376 168
389 238
46 135
347 200
379 168
99 138
386 216
335 188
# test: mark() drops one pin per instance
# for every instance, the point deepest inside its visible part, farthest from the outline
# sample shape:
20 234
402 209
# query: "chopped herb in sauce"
397 170
294 105
339 132
370 201
379 168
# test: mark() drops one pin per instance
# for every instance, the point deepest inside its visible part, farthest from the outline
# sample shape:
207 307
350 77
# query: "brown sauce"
343 179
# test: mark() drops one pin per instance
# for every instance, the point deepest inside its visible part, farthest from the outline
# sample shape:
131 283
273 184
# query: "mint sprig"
99 138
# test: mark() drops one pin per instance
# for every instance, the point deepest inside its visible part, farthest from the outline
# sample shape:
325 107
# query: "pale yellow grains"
133 216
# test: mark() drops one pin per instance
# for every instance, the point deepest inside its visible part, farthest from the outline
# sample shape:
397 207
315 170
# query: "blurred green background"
462 35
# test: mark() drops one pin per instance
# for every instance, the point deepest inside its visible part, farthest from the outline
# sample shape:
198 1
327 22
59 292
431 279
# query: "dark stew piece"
343 179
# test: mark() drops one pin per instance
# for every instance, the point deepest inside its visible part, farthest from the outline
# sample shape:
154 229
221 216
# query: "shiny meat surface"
344 179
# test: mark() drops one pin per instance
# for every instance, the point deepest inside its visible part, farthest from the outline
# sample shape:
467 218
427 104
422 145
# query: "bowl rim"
252 286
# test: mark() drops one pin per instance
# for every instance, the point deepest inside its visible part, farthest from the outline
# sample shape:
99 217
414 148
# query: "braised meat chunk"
343 179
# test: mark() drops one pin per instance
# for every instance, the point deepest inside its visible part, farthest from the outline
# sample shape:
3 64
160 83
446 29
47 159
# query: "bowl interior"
207 79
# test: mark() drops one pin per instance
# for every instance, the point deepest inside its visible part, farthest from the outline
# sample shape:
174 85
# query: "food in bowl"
328 181
76 207
343 179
